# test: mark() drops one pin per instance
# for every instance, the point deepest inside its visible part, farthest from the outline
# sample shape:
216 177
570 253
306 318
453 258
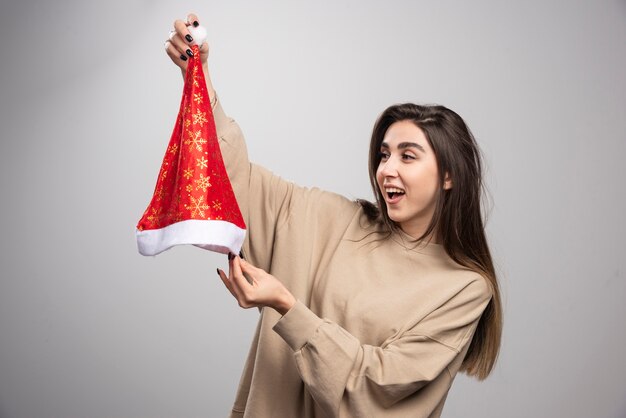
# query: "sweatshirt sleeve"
262 196
336 367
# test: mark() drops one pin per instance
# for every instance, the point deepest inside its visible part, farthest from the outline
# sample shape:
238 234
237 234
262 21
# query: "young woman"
367 310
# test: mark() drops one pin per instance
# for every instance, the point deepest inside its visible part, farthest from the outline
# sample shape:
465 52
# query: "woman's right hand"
179 46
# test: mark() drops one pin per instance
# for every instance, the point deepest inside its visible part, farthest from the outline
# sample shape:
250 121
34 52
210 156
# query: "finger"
234 290
246 267
230 263
181 30
250 271
238 292
178 58
192 19
226 282
238 277
181 46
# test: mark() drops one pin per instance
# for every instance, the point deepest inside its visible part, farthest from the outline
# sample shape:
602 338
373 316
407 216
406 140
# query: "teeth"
394 190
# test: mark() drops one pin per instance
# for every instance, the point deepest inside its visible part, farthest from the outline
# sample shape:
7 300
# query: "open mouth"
394 193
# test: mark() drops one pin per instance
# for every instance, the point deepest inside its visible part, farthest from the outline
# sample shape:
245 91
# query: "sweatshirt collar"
408 242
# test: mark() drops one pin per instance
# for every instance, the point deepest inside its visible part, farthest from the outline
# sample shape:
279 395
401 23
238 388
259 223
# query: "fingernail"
189 52
240 255
195 24
182 57
218 272
231 256
188 38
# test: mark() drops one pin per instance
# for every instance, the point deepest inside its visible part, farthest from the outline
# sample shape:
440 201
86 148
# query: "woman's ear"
447 182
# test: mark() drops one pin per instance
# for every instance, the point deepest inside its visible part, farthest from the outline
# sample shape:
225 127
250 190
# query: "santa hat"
193 201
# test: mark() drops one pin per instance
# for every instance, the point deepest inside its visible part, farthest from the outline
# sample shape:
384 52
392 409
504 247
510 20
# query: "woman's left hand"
263 289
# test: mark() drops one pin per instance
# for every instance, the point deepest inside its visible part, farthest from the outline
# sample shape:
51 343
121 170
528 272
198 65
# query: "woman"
373 308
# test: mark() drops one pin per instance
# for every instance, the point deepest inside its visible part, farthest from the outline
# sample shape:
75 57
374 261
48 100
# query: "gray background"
89 328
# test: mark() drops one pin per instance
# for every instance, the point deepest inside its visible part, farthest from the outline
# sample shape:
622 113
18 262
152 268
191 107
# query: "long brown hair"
458 216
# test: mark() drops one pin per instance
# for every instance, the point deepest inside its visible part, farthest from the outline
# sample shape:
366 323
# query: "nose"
388 168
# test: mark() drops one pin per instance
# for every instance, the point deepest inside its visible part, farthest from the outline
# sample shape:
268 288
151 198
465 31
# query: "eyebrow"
405 145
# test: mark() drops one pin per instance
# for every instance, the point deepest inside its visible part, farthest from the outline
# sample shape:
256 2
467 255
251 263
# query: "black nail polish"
182 57
188 38
240 255
230 256
195 24
218 272
189 52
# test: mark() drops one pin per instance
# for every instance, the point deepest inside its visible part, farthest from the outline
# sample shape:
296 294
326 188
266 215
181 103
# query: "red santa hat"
193 201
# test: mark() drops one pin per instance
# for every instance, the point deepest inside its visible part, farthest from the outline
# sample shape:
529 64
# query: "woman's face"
408 177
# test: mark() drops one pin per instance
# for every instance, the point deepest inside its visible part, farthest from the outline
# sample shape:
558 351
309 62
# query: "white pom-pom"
198 34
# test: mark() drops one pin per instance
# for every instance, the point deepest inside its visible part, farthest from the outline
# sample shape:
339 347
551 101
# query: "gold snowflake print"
202 162
186 109
156 216
199 118
197 97
197 206
189 188
159 193
195 77
194 139
187 123
203 183
188 173
173 148
177 199
217 205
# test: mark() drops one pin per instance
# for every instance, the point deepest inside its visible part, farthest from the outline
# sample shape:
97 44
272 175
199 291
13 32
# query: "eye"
383 155
408 156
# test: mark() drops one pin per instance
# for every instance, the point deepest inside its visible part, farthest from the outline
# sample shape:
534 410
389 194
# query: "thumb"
245 266
239 273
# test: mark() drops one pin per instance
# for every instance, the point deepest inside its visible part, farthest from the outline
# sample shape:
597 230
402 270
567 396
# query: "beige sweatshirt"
380 327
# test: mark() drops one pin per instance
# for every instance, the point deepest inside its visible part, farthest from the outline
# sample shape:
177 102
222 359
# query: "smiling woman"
366 309
407 176
426 173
